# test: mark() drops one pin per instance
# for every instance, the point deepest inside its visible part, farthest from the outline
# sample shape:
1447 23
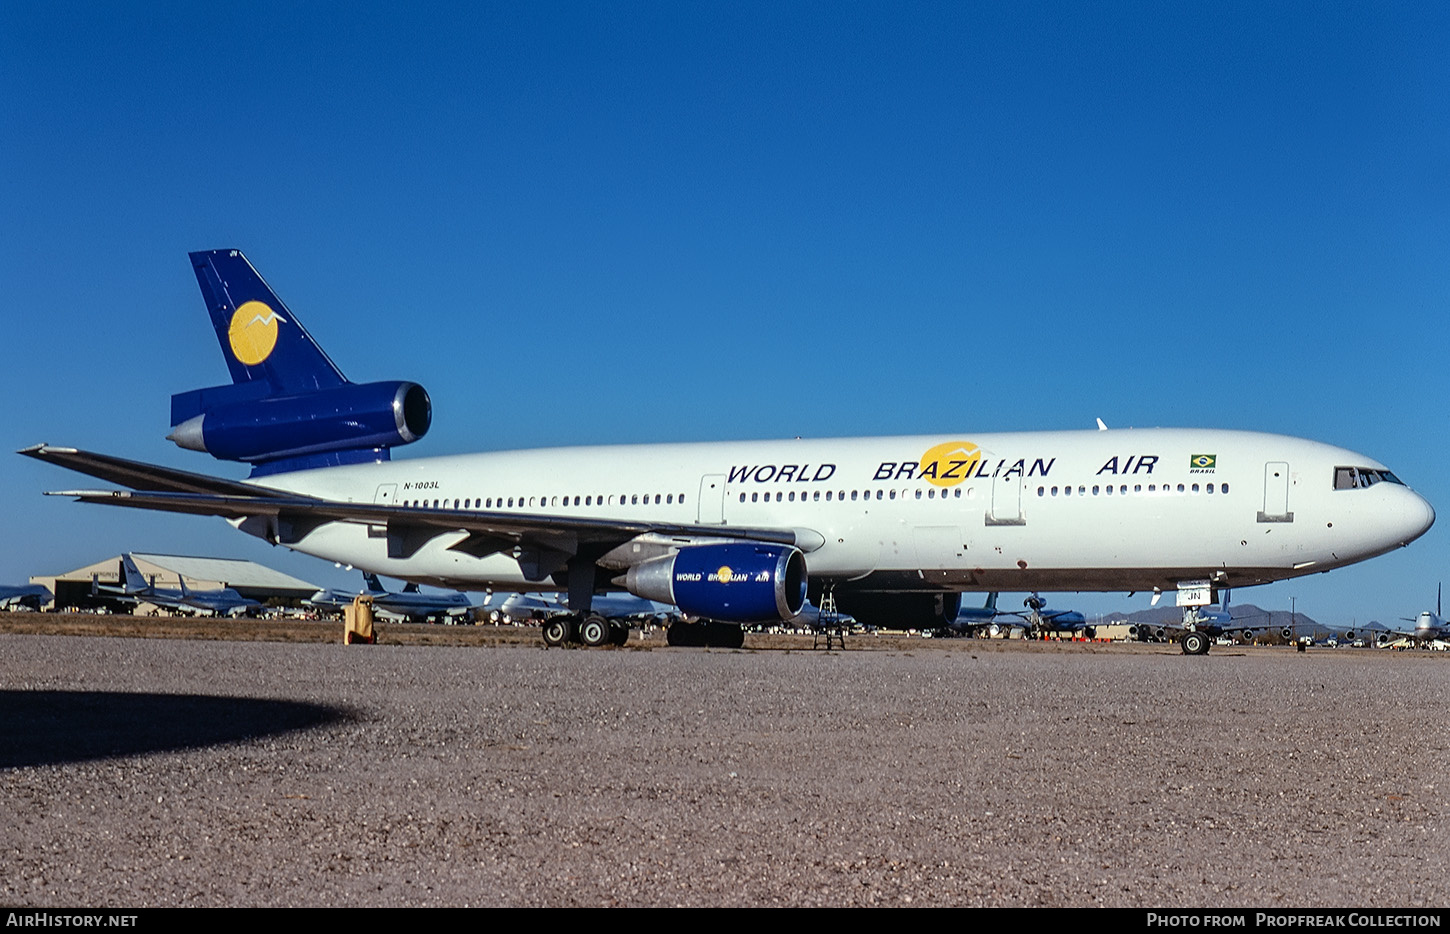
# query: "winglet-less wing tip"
35 450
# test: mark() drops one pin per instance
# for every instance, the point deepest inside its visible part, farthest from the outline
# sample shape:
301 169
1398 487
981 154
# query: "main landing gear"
592 630
1195 640
1194 643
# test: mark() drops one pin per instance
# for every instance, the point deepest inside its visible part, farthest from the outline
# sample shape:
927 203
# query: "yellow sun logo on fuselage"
253 332
950 463
724 574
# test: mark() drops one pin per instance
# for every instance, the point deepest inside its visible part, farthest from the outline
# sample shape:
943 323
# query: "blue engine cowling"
733 583
346 418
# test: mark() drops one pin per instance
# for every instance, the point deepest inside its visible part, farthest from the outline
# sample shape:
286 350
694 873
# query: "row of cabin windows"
1345 478
670 499
1122 490
840 496
489 502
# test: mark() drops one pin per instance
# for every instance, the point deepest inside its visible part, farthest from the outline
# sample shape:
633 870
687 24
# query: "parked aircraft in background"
1206 624
1035 620
811 617
1039 619
896 529
409 603
511 608
1429 627
25 596
136 589
974 620
518 607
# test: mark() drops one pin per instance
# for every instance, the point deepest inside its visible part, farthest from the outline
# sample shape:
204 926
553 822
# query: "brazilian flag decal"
1202 461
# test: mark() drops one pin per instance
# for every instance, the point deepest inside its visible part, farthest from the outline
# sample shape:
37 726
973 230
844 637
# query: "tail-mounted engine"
350 417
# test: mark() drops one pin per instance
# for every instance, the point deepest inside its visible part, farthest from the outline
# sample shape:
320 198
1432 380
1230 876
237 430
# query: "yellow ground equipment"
358 622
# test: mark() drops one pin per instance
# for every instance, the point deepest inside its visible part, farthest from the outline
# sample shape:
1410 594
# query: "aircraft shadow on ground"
53 727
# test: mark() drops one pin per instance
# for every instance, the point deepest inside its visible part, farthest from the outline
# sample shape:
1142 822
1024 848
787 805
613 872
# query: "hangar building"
73 588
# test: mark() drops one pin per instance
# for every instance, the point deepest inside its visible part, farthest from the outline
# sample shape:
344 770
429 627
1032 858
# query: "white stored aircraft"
409 603
896 528
1429 627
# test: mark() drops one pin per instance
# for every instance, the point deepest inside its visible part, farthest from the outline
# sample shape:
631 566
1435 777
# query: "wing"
141 476
543 544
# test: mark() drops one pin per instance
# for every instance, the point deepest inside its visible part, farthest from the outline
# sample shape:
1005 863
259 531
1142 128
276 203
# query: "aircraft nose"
1416 517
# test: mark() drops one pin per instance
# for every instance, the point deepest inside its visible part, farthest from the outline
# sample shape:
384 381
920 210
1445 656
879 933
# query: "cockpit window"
1362 478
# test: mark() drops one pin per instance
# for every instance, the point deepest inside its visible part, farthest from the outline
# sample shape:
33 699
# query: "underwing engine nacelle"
731 582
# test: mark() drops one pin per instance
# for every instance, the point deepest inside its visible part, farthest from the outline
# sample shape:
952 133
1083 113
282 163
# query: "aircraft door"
712 499
1006 501
386 495
1276 493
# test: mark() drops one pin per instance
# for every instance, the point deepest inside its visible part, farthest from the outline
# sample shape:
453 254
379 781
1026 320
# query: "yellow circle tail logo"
253 332
950 463
724 574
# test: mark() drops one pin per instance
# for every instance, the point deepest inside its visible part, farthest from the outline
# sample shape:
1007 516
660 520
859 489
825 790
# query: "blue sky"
579 223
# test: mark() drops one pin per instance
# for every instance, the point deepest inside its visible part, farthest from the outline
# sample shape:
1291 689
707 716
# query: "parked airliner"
136 589
897 528
1430 627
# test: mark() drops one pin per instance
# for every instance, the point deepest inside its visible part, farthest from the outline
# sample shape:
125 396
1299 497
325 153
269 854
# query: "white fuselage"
1091 510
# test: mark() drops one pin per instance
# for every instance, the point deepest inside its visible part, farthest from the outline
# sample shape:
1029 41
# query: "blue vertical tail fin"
260 337
288 406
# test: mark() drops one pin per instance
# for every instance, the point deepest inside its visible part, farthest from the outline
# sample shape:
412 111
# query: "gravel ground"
166 772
